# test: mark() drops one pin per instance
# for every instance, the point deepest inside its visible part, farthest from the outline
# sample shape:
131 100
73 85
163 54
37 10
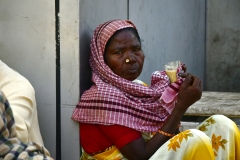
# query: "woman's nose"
130 55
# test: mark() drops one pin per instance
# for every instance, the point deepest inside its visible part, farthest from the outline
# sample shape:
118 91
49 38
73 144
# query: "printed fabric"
216 138
10 146
114 100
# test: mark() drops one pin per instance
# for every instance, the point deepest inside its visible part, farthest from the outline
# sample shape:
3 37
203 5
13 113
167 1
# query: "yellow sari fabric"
111 154
216 138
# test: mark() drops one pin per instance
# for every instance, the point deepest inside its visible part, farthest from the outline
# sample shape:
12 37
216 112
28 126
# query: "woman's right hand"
190 91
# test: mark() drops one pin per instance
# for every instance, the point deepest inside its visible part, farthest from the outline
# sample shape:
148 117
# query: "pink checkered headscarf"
115 100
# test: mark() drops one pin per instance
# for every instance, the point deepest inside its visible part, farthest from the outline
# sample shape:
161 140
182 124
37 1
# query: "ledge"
225 103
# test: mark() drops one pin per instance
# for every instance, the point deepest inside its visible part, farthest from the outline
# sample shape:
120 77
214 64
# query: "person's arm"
21 96
190 92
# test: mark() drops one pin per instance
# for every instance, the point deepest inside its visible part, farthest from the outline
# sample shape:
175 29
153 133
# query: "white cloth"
21 96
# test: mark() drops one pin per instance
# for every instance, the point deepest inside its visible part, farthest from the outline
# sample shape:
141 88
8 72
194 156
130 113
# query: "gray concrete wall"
27 44
170 30
69 56
223 46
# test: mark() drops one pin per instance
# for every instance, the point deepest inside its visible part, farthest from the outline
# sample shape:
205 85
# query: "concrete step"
225 103
188 125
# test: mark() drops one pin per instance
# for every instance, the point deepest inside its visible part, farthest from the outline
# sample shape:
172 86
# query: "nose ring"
127 60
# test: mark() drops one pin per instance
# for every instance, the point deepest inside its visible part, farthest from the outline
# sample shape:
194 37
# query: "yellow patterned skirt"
217 137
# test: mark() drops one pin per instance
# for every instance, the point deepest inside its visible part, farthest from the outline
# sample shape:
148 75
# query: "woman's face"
125 45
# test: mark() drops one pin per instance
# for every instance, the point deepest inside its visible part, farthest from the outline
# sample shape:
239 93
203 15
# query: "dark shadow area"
85 70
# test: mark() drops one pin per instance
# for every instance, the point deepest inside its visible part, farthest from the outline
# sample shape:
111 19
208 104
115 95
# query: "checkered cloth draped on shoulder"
115 100
10 146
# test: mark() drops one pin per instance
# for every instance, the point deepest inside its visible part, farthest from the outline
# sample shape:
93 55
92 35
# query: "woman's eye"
119 52
137 49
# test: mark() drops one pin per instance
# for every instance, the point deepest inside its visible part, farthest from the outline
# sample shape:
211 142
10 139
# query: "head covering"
115 100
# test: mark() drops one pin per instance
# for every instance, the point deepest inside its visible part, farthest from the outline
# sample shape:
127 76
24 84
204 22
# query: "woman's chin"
131 76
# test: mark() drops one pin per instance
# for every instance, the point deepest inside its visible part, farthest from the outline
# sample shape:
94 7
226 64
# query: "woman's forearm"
188 94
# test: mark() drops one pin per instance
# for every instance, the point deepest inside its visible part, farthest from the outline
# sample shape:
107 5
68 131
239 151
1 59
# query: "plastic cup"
171 70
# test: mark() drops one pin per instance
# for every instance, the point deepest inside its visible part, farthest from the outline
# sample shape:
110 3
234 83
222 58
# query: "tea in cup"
171 70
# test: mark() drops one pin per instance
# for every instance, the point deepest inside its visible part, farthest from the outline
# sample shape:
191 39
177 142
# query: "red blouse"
95 137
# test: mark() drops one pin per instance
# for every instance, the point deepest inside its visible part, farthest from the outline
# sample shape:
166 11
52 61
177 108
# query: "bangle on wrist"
165 133
168 134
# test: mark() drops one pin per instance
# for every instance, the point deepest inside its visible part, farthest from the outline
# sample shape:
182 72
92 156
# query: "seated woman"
121 118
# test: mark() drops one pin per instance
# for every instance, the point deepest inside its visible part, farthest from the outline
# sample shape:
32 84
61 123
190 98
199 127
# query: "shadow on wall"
85 70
